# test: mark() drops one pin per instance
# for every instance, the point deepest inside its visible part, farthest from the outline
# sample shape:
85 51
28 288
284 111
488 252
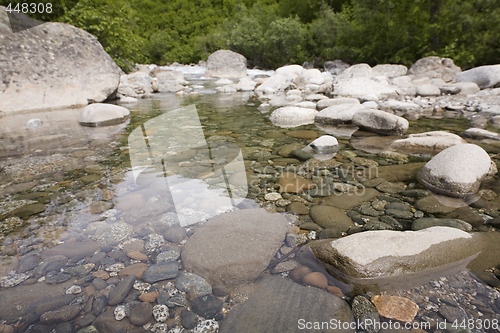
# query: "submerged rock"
401 253
234 247
272 308
456 171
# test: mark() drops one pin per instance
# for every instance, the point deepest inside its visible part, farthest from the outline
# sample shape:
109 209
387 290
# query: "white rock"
324 103
428 90
246 84
456 171
373 254
467 88
169 80
483 76
273 196
291 116
120 312
160 313
389 71
356 71
128 99
101 114
380 122
277 82
479 133
291 71
228 89
402 81
338 114
73 290
226 64
307 105
324 145
399 105
364 88
315 97
370 105
427 142
138 82
435 67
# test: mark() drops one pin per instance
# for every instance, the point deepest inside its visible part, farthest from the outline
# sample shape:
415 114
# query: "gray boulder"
101 114
483 76
338 114
324 103
292 116
234 247
362 87
428 90
376 254
273 308
380 122
389 71
456 171
53 65
435 67
135 84
226 64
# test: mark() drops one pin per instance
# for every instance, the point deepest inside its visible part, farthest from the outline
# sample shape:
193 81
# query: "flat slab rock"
375 254
235 247
276 307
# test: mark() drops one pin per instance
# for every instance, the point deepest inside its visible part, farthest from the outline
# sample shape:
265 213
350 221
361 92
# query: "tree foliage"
272 33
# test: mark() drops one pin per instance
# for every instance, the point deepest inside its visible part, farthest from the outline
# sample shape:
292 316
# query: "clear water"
61 183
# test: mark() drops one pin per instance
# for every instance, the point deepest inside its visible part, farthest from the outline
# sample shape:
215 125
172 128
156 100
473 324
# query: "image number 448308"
29 8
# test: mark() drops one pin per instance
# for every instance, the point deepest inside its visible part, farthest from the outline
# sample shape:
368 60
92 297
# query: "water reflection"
171 150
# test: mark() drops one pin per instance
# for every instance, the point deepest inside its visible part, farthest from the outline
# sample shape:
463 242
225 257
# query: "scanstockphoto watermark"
367 325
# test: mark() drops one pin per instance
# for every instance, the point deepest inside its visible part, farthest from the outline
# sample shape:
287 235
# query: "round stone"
160 313
316 279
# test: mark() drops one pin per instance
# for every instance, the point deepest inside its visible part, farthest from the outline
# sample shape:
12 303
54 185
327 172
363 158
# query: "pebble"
154 243
315 279
6 328
13 280
149 297
160 272
193 284
189 320
141 313
207 326
161 313
101 274
121 290
273 196
395 307
175 234
206 306
142 286
364 311
65 313
168 254
56 277
73 290
137 256
120 312
335 291
134 269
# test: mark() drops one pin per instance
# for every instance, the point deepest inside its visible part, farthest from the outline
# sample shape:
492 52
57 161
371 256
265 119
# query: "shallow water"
74 191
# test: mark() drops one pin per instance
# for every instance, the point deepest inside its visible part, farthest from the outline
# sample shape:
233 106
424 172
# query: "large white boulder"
53 65
101 114
169 81
226 64
380 122
292 116
135 84
456 171
363 88
389 71
276 83
483 76
384 253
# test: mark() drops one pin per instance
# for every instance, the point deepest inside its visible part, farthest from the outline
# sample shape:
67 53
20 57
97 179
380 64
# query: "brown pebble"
136 255
107 195
316 279
298 273
101 274
149 297
395 307
334 290
134 269
6 328
88 291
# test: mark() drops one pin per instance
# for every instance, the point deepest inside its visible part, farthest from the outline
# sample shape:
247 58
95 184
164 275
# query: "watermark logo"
26 14
202 178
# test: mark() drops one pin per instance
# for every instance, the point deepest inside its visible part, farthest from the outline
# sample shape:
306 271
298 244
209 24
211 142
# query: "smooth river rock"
427 143
292 116
234 247
52 65
484 76
101 114
380 122
274 307
226 64
456 171
385 253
